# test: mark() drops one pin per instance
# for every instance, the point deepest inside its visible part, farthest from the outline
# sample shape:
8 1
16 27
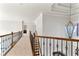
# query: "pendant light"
70 26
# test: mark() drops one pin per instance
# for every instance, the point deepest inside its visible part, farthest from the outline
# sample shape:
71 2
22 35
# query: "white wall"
9 21
7 26
0 47
54 25
30 26
39 24
11 16
51 24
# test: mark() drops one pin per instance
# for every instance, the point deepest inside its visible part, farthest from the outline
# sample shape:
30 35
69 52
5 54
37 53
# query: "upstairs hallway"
22 47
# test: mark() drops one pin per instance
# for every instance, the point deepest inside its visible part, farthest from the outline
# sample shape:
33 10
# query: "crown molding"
58 14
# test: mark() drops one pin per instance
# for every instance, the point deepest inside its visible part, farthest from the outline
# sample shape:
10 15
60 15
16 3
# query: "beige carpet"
22 48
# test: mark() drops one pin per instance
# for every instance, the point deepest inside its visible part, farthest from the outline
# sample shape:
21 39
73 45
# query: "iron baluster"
57 45
76 50
50 47
62 46
66 48
46 47
71 48
53 45
43 47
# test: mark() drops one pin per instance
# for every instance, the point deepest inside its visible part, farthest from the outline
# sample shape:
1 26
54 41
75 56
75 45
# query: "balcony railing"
8 41
55 46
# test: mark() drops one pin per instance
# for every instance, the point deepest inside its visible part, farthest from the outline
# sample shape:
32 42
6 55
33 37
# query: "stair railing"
32 41
57 46
8 41
35 45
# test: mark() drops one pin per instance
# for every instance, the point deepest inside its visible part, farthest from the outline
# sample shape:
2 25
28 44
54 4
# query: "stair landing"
22 47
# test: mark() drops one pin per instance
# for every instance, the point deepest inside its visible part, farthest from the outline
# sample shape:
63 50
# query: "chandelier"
70 26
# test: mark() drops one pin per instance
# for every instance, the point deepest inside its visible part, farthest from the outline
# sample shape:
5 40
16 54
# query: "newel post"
12 40
33 35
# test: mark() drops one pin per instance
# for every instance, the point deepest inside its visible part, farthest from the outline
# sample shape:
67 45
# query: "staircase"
36 48
35 45
54 46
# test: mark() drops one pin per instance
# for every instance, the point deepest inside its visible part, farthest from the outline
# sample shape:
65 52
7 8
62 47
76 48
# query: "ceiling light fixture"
70 26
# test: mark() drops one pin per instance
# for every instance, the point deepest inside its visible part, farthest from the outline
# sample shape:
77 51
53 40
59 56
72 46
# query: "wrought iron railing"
8 41
52 46
55 46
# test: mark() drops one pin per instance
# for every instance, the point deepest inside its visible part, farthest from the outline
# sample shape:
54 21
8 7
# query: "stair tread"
36 48
36 53
36 45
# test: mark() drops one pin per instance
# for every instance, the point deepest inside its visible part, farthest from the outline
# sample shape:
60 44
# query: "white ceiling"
66 8
31 10
26 10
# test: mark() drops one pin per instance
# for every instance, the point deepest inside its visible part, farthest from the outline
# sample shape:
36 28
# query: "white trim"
56 14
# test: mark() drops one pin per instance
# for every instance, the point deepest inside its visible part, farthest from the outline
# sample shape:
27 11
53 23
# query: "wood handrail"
59 38
12 42
9 34
5 35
